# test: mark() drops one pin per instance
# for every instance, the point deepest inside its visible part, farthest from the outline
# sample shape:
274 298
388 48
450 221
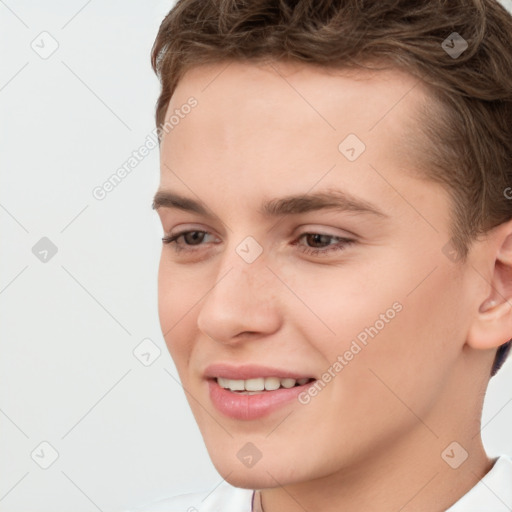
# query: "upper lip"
250 371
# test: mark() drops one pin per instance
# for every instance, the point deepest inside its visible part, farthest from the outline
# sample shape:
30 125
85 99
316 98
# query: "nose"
243 302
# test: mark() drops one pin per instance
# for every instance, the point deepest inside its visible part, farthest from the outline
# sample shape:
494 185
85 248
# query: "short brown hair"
464 135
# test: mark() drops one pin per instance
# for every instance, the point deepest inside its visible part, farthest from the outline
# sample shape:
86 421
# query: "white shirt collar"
493 493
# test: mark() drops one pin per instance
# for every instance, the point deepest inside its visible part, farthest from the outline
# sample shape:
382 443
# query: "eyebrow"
330 199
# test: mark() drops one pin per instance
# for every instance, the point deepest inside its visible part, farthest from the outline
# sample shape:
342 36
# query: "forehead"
282 126
300 84
299 104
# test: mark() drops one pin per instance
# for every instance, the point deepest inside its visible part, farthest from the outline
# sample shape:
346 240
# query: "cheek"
339 305
165 301
397 348
176 300
414 353
409 333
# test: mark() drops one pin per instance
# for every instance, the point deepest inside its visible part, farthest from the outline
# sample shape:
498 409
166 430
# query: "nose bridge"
242 298
245 280
245 262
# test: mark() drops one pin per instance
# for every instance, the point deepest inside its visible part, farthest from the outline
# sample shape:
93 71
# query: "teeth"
272 383
288 383
259 384
234 385
254 384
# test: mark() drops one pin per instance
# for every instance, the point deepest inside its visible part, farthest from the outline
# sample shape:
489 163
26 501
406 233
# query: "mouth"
255 397
259 385
250 391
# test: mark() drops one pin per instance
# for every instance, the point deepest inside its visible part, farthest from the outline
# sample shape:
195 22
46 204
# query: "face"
346 289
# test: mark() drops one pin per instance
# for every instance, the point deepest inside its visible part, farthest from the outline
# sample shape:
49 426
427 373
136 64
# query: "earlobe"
493 327
487 305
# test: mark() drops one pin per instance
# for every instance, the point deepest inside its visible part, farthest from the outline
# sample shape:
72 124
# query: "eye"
319 239
320 242
196 239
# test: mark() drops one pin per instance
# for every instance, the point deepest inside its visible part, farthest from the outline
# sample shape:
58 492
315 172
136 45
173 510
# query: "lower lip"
251 407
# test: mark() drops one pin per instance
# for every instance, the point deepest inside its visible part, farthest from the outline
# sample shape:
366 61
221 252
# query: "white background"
123 431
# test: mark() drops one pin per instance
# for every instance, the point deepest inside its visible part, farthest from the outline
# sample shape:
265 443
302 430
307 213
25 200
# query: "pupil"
194 236
316 238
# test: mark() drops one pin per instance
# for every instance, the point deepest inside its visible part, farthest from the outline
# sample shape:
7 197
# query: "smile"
260 384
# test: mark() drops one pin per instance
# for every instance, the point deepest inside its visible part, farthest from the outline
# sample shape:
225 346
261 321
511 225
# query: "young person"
336 273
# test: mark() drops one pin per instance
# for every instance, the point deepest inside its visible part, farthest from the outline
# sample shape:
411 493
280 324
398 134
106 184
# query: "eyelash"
342 244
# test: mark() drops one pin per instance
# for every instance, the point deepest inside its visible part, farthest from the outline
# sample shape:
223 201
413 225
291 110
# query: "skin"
372 438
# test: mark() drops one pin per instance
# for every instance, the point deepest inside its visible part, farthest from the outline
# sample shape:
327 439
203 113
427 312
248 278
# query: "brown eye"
191 238
318 243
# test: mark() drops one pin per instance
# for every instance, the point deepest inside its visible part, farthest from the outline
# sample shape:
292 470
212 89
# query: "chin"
265 473
256 478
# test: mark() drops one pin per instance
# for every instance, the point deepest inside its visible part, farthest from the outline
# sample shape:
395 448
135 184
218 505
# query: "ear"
492 325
